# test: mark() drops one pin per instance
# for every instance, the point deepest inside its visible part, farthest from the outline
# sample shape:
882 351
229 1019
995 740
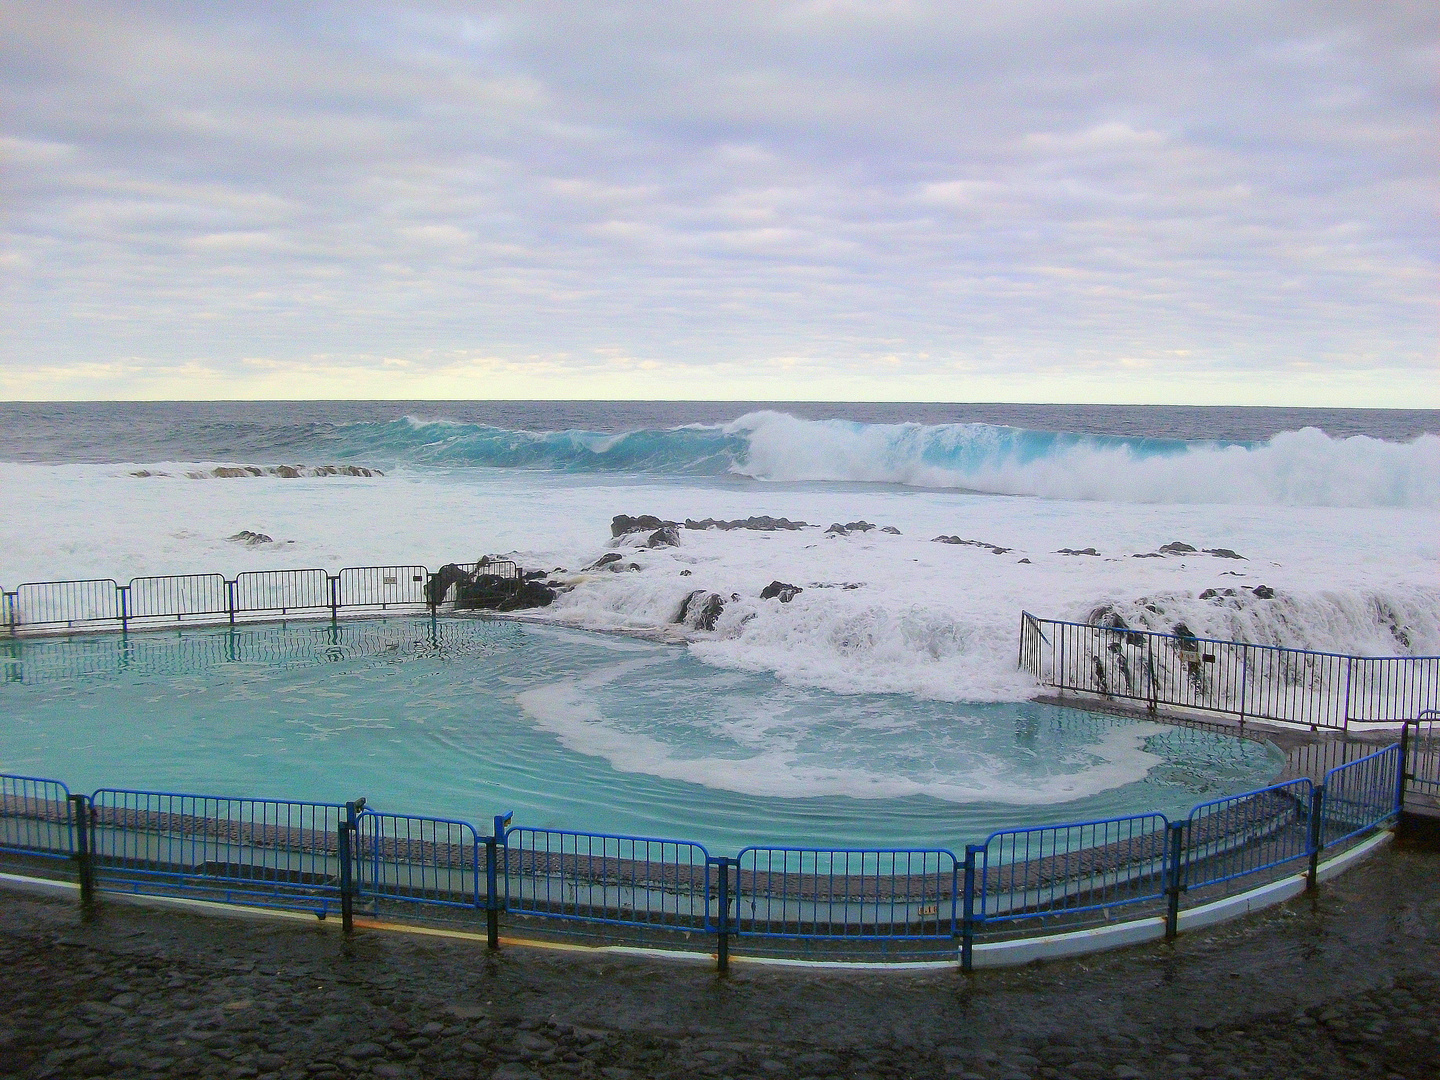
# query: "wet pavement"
1345 983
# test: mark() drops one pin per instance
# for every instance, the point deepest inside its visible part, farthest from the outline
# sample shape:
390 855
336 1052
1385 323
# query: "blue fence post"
967 920
1402 775
230 600
80 815
347 881
722 925
492 878
123 595
1317 838
1174 853
334 580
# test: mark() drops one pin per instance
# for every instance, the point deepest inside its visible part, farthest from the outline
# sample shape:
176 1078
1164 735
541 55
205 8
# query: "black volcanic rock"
781 590
993 548
621 524
763 523
701 609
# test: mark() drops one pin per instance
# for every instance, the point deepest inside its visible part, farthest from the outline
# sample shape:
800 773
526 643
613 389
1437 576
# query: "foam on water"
777 746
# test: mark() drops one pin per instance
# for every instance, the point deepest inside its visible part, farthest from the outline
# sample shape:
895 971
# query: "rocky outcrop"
849 527
1179 547
1078 551
701 609
612 561
668 536
286 472
763 523
993 548
623 524
783 591
1223 553
250 539
479 590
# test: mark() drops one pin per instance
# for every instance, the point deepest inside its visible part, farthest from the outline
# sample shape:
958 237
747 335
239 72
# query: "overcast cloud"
1020 200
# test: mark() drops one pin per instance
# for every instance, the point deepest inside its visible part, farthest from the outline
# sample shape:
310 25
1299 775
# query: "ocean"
1047 509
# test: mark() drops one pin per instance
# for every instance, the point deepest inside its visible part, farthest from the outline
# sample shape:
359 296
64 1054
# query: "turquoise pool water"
468 717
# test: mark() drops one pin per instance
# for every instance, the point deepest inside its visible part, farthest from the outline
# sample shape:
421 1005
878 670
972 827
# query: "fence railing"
418 860
266 852
846 893
1070 868
591 877
1420 740
329 857
98 602
1245 834
1252 682
37 817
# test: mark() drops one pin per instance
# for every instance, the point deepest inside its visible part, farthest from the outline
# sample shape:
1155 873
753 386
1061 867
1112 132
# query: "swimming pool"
468 717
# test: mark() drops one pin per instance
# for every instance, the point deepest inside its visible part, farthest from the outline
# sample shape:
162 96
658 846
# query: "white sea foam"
766 757
934 620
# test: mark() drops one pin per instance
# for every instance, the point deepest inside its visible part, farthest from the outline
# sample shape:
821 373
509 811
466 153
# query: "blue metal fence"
418 860
1245 834
322 857
1361 795
264 852
605 878
101 602
1242 679
37 817
1066 869
902 893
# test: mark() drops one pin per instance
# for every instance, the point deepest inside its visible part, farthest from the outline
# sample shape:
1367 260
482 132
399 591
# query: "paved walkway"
1346 984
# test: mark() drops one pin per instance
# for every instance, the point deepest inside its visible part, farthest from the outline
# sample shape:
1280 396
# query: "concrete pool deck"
1340 983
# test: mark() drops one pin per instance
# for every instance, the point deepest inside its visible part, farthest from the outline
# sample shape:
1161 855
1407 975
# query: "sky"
1020 200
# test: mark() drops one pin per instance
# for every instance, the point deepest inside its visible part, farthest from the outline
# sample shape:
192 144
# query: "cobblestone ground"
1346 984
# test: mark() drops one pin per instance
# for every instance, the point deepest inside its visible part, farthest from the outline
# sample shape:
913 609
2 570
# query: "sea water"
1334 511
469 717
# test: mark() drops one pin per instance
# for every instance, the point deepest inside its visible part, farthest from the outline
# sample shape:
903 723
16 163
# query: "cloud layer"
1031 200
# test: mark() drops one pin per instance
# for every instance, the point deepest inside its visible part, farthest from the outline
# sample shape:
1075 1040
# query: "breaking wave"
1301 468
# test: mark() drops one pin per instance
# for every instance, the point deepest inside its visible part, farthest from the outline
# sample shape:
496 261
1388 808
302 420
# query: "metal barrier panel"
1244 834
418 859
1321 690
382 586
260 852
66 603
1422 752
8 614
177 596
846 893
1069 868
1389 688
36 817
629 880
282 591
1361 795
